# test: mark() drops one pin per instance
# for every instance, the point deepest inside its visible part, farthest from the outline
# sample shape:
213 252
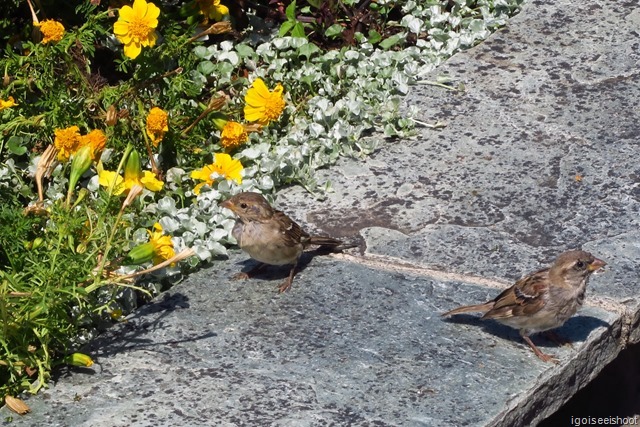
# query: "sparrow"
268 235
543 300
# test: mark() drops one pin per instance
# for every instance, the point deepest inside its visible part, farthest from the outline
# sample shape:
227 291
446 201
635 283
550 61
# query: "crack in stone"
387 263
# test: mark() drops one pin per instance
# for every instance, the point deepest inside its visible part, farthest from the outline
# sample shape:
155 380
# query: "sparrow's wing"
292 233
524 298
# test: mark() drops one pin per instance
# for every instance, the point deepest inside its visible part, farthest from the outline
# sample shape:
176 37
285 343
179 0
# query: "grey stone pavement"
447 218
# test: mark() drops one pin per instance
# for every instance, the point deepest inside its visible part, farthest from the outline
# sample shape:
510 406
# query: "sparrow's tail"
483 308
323 241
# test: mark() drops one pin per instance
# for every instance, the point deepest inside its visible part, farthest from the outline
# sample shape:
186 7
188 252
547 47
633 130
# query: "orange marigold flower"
233 135
157 125
67 141
97 140
52 31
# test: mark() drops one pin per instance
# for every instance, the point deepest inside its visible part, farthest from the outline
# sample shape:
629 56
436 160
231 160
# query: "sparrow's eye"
243 205
580 265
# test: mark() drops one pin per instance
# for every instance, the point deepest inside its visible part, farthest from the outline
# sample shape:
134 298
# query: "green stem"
96 282
154 167
56 251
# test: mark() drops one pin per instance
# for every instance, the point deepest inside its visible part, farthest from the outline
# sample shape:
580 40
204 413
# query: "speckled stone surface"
349 345
539 155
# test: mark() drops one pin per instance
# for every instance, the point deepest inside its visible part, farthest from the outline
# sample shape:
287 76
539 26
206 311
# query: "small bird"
269 235
542 300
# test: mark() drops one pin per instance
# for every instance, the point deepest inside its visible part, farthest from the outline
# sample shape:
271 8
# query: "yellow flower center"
139 28
263 105
273 106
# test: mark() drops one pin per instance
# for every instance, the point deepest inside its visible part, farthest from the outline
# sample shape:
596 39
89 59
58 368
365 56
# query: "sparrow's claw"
542 356
240 276
287 283
284 286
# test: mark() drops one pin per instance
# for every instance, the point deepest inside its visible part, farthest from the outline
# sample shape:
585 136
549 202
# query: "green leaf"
201 52
285 28
334 30
15 145
291 11
315 3
245 51
391 41
374 37
298 31
206 68
308 49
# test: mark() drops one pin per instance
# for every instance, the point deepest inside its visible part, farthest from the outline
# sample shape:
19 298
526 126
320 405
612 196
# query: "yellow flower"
150 182
233 135
67 141
10 102
52 31
212 9
263 106
224 166
136 27
133 175
162 245
157 125
110 180
96 139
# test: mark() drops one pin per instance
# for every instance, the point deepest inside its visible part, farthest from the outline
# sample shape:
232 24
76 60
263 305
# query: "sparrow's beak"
596 264
228 205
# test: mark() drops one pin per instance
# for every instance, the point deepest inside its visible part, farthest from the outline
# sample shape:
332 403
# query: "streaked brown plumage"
543 300
268 235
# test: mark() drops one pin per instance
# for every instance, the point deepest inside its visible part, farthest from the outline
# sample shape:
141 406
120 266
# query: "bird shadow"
577 328
281 272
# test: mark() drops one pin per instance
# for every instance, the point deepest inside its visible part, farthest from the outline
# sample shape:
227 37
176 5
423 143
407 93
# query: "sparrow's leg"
243 276
542 356
558 339
287 283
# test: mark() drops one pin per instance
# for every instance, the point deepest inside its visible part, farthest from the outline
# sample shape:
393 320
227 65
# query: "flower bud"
37 242
79 359
140 254
219 120
132 169
112 116
79 165
81 195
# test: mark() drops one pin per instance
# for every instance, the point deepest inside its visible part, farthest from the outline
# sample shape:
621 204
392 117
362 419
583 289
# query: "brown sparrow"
268 235
542 300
